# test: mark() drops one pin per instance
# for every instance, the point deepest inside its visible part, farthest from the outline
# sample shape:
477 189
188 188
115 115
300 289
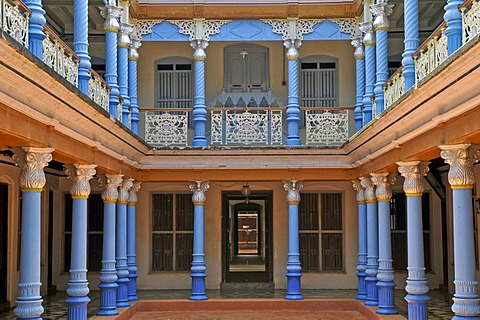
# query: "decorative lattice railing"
326 126
394 88
166 127
470 20
98 90
14 19
58 56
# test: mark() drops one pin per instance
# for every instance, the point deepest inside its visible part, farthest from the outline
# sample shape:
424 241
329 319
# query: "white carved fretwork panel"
471 21
15 23
166 129
326 128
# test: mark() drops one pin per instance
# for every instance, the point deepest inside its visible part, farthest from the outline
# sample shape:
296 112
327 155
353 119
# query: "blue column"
121 244
385 275
466 302
131 235
32 180
80 43
294 269
417 288
293 108
372 242
123 45
111 26
132 82
359 55
199 108
454 30
198 273
362 240
36 22
381 24
78 285
369 42
411 41
108 275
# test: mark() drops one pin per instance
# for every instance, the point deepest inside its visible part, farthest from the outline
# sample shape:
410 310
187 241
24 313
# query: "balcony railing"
98 90
394 88
14 17
470 19
248 126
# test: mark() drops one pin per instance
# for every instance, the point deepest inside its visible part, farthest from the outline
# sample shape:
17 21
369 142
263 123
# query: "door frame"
267 196
5 194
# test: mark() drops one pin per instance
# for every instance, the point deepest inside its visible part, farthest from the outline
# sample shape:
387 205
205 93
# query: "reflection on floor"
56 307
247 263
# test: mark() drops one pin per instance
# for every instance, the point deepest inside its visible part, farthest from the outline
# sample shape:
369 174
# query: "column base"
293 142
294 291
372 292
132 287
199 143
386 302
122 293
362 292
108 299
466 308
198 286
29 309
77 307
417 306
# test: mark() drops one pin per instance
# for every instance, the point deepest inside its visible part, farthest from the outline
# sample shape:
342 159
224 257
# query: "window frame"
174 61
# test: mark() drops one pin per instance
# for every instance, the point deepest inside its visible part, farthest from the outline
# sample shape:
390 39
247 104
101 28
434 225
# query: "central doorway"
247 237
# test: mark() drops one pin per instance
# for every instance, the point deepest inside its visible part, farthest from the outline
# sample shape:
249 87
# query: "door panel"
246 72
3 245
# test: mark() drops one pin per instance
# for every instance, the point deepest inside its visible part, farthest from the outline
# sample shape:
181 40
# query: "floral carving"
31 162
132 194
360 191
461 162
127 183
383 181
413 172
199 188
293 189
369 188
80 174
110 184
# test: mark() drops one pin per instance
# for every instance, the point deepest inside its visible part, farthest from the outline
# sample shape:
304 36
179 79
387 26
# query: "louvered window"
319 82
174 85
95 232
321 231
172 232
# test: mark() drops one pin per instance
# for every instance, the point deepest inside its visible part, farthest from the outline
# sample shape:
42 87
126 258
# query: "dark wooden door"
3 245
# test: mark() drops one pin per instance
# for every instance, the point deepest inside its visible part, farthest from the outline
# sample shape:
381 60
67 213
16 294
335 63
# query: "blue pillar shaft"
111 71
35 27
121 256
198 269
362 251
78 284
411 41
199 108
108 274
80 43
293 108
382 68
385 274
372 254
466 299
453 17
360 91
369 82
133 92
29 301
294 291
131 253
123 82
416 280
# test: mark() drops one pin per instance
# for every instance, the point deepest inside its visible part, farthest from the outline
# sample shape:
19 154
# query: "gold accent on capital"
131 204
462 187
110 184
111 30
460 157
199 188
80 174
371 201
199 203
369 189
31 189
109 201
121 202
31 161
413 172
124 188
79 197
132 193
413 194
296 203
293 189
383 181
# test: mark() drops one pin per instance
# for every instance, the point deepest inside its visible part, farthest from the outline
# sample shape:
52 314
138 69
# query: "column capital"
132 193
360 191
413 172
111 15
199 188
292 45
293 189
383 181
199 46
124 33
381 11
359 53
124 187
369 188
461 158
31 161
134 45
369 34
110 184
80 174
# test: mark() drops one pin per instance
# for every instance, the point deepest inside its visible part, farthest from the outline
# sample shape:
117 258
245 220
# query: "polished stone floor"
56 308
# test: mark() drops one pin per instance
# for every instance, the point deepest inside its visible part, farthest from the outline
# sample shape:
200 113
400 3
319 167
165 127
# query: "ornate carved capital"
199 46
132 194
111 14
369 188
383 181
199 188
293 189
31 162
360 191
110 184
127 183
80 174
134 45
369 34
413 172
461 160
381 11
292 45
124 35
359 53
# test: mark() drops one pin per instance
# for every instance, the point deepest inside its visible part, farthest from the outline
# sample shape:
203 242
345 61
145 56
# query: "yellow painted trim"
383 200
462 187
360 58
293 59
371 201
200 59
32 189
122 47
199 203
413 194
370 45
381 28
132 59
360 202
121 202
294 202
111 30
109 201
132 204
79 197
